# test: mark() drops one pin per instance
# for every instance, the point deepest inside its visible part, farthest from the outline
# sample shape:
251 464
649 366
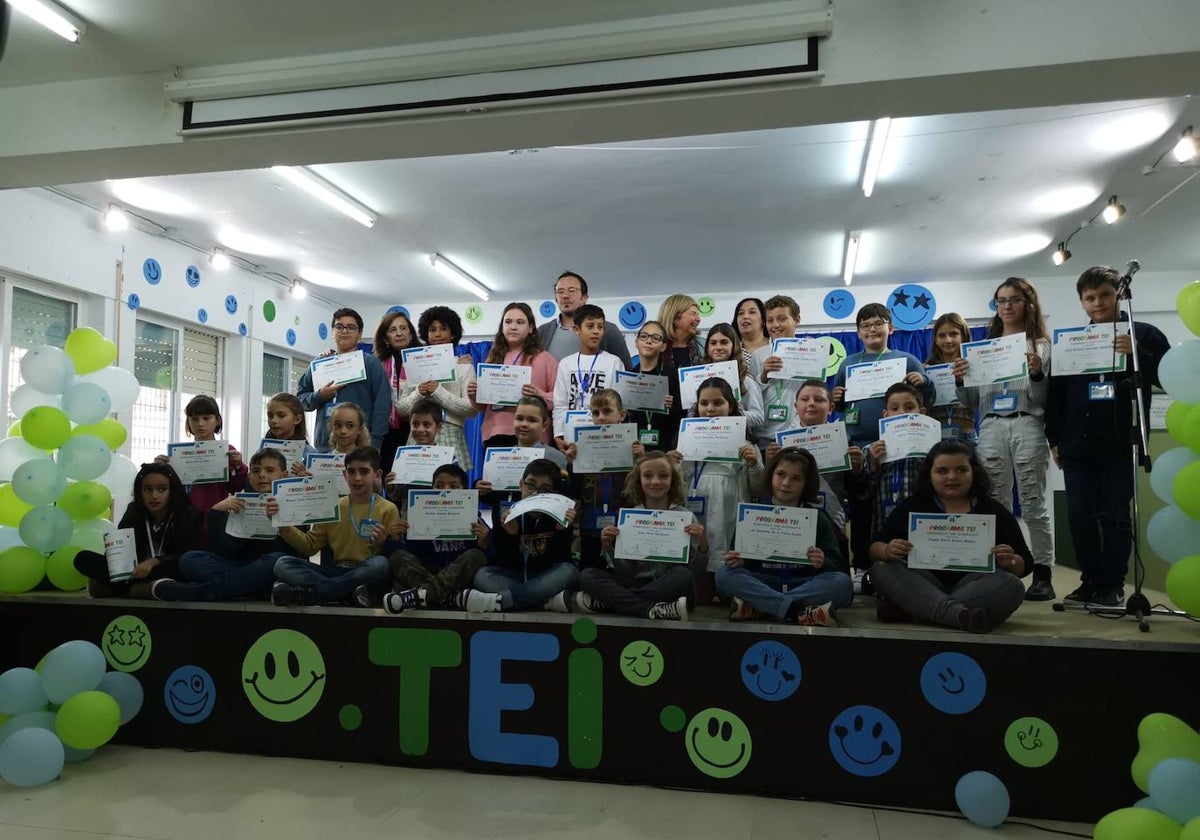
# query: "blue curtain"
473 428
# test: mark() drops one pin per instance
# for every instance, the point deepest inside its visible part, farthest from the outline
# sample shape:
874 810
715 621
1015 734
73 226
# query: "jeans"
1099 491
409 572
764 591
211 577
517 593
921 594
331 583
634 596
1019 443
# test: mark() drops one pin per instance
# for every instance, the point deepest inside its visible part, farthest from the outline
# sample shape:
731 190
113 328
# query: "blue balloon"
75 756
982 798
21 691
86 402
1176 371
40 482
1147 803
46 528
29 720
1173 534
84 458
1162 478
1175 788
126 690
31 757
70 668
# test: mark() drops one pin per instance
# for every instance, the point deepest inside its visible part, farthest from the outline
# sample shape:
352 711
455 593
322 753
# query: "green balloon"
87 500
108 430
1188 304
1137 824
21 569
1189 435
60 568
1191 831
12 509
89 350
45 427
88 720
1161 736
1183 583
1177 413
1187 489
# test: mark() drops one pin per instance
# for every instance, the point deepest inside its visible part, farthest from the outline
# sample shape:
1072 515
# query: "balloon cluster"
57 465
1167 768
61 711
1174 531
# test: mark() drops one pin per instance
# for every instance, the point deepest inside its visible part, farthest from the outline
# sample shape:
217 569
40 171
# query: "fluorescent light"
1185 149
298 291
52 16
325 278
852 240
319 188
452 272
1113 211
115 219
219 260
879 134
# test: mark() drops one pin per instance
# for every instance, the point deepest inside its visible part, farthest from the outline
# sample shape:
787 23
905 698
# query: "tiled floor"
173 795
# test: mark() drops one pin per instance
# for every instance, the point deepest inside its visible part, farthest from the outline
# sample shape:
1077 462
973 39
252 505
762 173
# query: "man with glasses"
373 394
559 336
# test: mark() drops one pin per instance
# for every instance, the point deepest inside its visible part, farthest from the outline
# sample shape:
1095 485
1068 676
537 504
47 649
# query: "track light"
115 219
455 274
1113 211
52 16
298 291
879 135
853 238
1186 148
319 188
1061 255
219 259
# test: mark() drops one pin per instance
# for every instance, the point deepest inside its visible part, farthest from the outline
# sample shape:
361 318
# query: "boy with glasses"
559 336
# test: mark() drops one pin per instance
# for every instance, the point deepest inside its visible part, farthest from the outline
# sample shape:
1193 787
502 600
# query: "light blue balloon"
70 668
39 482
84 458
982 798
31 757
36 720
86 402
126 690
1166 467
1175 788
21 691
1177 371
1173 534
1147 803
46 528
47 369
75 756
9 537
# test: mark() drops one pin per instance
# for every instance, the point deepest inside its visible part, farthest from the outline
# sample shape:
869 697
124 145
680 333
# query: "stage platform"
879 714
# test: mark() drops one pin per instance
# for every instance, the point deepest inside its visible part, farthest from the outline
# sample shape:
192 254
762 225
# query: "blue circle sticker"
152 271
632 315
242 330
912 307
770 671
192 275
291 337
992 304
864 741
546 309
190 694
202 316
230 304
953 683
403 310
839 303
323 331
134 302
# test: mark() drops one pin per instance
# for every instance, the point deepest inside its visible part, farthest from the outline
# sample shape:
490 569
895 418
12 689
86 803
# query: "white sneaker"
670 610
585 603
472 600
557 603
857 580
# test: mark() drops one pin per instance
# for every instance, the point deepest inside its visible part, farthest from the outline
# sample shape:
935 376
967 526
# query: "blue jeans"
213 578
1099 491
764 592
517 593
331 583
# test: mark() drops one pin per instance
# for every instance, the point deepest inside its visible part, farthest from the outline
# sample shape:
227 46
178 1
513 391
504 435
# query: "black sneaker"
1082 595
169 589
281 594
364 596
395 603
1104 596
1040 590
670 610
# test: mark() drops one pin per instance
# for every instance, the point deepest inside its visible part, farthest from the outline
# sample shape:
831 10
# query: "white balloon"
1166 467
119 476
122 386
1177 371
84 458
47 369
86 402
14 452
27 397
9 537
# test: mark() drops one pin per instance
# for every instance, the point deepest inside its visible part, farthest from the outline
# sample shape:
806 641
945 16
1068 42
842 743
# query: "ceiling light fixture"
297 290
853 238
219 259
879 135
1061 255
319 188
115 219
1113 211
1186 148
52 16
455 274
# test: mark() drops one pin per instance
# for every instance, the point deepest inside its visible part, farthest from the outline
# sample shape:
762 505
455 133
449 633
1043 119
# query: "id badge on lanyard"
1004 402
603 518
648 437
777 412
852 416
1102 390
695 501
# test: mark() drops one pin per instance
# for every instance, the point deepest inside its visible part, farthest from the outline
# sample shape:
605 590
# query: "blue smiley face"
190 694
838 304
134 302
403 310
953 683
632 315
290 337
323 331
992 304
230 304
864 741
243 330
770 671
192 275
546 309
912 307
202 316
152 271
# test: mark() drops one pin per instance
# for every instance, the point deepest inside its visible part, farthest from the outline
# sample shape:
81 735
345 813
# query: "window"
282 374
36 320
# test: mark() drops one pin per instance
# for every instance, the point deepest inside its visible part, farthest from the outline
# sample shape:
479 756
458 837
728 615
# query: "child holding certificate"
516 343
950 332
722 345
204 423
644 588
656 429
531 422
807 594
951 481
425 425
582 374
286 421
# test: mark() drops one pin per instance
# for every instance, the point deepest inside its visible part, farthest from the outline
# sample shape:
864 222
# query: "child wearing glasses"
657 430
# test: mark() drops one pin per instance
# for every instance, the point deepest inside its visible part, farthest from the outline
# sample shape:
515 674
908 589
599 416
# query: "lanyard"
350 513
697 472
604 491
517 360
779 392
897 477
584 381
156 550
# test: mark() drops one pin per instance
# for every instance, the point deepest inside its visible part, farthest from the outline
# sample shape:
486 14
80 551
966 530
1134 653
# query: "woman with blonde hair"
680 314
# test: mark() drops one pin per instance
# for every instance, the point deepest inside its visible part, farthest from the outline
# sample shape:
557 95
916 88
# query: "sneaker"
557 603
1103 596
822 615
1082 595
670 610
1040 590
585 603
281 594
395 603
169 589
364 596
472 600
739 610
861 579
284 594
975 620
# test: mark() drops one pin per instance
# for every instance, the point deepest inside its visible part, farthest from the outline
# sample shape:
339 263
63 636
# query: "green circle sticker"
283 675
718 743
1031 742
350 717
296 321
642 663
126 643
474 314
837 354
672 718
269 310
706 305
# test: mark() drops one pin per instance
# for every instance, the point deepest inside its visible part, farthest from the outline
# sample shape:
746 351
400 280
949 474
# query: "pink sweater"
545 369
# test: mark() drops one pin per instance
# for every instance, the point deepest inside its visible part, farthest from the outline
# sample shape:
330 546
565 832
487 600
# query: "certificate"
435 363
338 369
329 466
803 358
554 505
1086 349
942 377
252 522
908 436
775 533
656 535
120 553
642 391
601 449
827 443
953 542
996 360
1159 403
504 466
691 377
711 438
573 418
442 514
305 501
415 465
501 384
292 450
870 380
200 461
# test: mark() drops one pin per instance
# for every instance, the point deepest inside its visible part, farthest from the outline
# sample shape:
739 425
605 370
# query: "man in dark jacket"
559 337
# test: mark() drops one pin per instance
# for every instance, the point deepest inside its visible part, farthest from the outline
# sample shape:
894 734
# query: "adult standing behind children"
394 335
516 343
749 316
372 395
559 338
680 316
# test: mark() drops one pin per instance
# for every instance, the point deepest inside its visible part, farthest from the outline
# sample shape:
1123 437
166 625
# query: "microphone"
1131 268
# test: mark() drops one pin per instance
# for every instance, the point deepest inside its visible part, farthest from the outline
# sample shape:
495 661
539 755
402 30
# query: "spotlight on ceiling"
298 291
115 219
1061 254
1187 147
219 259
1114 211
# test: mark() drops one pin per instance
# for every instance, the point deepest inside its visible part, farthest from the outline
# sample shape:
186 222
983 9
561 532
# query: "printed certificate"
442 514
711 438
775 533
292 450
803 358
656 535
1159 403
642 391
252 523
942 377
573 418
957 542
607 448
504 466
200 461
870 380
328 466
338 369
1086 349
908 436
120 552
501 384
435 363
305 501
691 377
554 505
414 465
996 360
827 443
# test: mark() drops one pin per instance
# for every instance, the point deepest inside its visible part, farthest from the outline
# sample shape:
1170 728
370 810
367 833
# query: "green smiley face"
642 663
718 743
126 643
837 354
1031 742
474 314
283 675
706 305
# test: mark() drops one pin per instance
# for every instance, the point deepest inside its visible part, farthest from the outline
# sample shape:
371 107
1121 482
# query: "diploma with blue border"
656 535
827 443
1087 349
329 466
200 461
952 542
775 532
338 369
711 438
996 360
442 514
305 501
908 436
501 384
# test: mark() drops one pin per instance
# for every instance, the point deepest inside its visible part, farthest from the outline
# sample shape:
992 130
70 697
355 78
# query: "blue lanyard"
604 491
697 472
897 477
517 360
350 513
584 381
